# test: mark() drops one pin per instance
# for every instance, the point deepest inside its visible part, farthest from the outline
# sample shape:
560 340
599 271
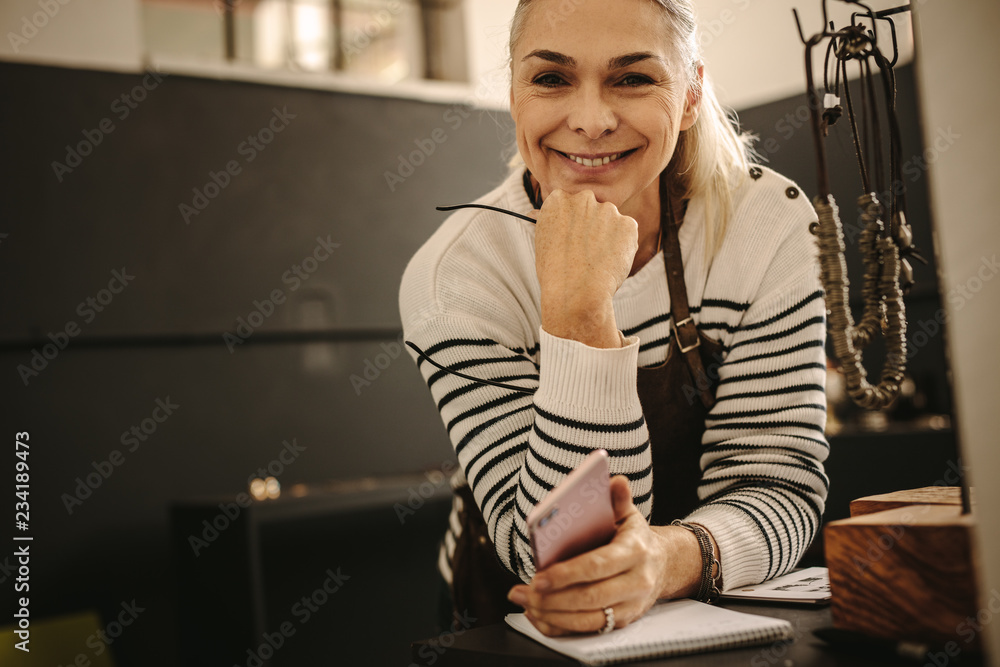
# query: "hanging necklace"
882 245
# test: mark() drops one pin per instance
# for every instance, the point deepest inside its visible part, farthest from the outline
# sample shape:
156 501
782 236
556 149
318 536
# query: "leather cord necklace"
881 249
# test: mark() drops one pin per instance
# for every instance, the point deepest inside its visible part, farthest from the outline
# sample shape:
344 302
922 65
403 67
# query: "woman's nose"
591 113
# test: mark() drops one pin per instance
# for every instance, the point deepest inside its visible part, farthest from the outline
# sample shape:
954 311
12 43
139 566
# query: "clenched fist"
584 251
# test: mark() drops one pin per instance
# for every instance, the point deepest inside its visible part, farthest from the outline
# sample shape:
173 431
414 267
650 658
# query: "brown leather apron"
675 396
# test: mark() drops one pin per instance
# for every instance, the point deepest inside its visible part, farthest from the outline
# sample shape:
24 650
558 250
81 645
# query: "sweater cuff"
742 548
598 380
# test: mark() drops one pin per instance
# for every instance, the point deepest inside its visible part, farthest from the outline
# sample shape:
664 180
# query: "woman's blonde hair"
713 156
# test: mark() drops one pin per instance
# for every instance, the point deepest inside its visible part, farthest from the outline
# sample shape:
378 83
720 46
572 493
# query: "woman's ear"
692 105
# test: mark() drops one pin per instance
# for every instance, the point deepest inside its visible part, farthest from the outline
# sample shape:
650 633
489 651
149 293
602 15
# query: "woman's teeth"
596 162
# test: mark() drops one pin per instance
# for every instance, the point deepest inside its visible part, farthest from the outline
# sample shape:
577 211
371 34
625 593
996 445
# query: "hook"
818 37
798 24
882 16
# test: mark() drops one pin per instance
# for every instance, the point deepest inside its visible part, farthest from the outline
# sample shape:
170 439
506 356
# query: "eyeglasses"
488 208
423 355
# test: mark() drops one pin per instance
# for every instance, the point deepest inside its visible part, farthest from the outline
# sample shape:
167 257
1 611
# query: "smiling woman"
665 306
573 116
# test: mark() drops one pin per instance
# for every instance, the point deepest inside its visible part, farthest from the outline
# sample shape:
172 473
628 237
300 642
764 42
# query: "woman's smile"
591 162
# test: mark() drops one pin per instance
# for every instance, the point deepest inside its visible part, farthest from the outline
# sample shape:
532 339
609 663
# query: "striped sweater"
470 299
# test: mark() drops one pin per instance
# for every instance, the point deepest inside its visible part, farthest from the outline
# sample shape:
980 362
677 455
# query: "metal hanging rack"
884 247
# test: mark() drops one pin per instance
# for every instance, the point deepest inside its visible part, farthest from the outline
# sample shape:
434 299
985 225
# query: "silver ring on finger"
609 621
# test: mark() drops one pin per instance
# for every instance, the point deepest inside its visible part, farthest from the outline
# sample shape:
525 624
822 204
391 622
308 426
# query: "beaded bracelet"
708 591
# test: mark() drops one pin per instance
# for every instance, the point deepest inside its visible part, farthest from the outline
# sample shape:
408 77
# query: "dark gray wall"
322 176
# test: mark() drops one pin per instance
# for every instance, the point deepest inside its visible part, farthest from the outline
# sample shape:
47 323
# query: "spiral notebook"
669 628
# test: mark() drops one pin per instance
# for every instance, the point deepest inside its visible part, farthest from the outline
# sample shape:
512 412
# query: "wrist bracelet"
708 591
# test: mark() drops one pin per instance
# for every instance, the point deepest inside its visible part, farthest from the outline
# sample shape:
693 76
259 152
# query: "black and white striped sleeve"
763 487
514 447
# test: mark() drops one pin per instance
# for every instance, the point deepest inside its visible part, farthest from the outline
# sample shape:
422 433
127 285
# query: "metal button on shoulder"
755 172
792 192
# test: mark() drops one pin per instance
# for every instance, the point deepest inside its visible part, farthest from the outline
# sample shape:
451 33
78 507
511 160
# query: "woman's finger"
556 623
546 628
595 595
593 566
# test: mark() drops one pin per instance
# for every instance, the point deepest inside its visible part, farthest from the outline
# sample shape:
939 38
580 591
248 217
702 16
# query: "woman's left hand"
639 566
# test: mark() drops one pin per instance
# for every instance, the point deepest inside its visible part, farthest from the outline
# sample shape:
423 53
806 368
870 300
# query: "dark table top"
498 645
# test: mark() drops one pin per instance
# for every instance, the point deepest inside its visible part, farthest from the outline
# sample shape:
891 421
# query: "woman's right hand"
584 251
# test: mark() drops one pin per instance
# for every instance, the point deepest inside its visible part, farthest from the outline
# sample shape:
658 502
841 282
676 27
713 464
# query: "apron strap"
685 330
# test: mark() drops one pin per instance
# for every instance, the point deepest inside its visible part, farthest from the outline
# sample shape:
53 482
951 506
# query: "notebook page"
807 585
669 628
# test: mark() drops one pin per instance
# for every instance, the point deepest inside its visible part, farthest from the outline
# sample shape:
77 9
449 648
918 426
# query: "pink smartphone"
574 517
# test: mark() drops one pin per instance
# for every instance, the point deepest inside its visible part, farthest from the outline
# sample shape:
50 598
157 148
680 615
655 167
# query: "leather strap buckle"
697 339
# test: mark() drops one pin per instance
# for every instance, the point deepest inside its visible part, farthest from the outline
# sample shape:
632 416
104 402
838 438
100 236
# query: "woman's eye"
548 80
636 80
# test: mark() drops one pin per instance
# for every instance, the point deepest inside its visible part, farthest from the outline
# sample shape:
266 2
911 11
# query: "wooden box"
905 572
928 495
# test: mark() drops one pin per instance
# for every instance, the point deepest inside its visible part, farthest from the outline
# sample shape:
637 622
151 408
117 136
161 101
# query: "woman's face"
598 97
